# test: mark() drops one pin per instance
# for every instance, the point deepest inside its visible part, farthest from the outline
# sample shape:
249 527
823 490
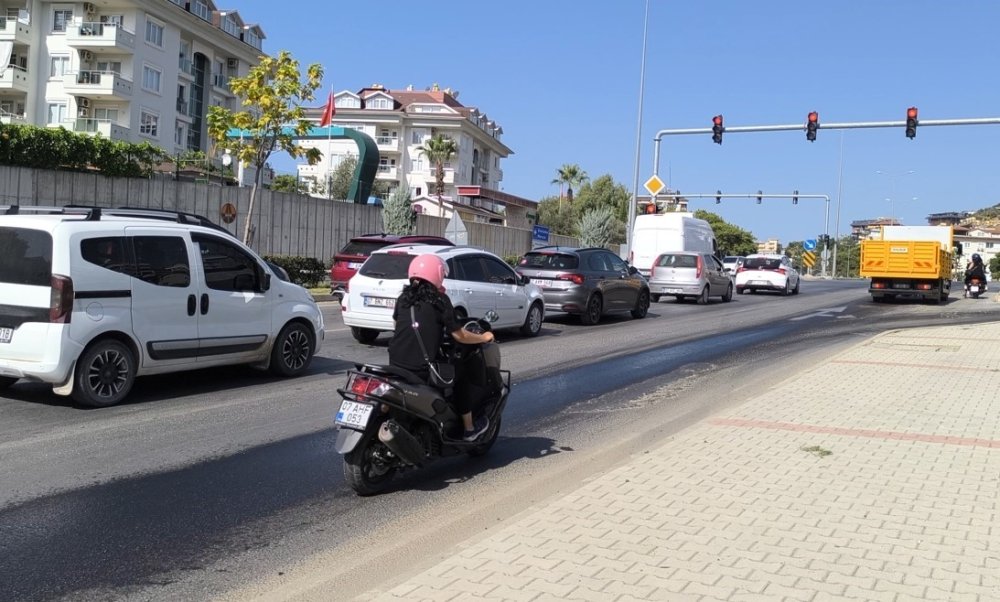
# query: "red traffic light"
651 208
911 113
717 120
813 117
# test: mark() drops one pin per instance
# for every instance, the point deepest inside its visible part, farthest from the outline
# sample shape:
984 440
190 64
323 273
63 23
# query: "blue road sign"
539 236
809 245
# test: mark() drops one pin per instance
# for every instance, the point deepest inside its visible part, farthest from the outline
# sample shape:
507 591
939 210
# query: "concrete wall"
285 224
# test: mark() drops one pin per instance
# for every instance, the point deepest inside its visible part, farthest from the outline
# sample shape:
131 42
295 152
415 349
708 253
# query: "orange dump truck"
909 260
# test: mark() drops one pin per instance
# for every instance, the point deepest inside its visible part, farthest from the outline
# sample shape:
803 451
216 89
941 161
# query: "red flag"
328 112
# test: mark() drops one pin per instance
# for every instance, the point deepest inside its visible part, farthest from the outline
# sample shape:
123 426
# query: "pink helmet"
429 267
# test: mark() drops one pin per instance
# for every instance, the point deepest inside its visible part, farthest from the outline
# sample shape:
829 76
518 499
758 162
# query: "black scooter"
391 421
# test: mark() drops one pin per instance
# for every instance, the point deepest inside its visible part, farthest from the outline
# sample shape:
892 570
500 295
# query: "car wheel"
729 294
641 305
533 321
365 336
104 374
592 314
654 298
788 290
795 290
740 290
703 297
6 381
293 350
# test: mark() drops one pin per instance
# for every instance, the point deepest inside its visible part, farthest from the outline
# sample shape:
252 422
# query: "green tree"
398 216
340 180
604 192
848 257
272 94
559 218
794 251
732 240
289 183
569 175
994 268
439 150
599 228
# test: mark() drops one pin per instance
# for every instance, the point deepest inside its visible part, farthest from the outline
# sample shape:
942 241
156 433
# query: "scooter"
391 421
974 288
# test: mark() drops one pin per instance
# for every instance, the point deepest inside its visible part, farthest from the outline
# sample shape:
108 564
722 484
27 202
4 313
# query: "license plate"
541 282
380 302
6 334
671 291
972 289
354 264
760 283
354 414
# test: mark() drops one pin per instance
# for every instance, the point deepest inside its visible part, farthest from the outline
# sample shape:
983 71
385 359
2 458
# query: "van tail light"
574 278
700 265
61 300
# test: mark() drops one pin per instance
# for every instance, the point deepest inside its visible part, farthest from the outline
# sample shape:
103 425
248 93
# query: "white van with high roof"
658 233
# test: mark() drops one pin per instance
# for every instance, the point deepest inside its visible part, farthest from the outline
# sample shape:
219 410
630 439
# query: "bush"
58 148
305 271
512 260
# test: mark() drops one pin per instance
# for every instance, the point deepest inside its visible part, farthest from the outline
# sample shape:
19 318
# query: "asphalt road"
223 480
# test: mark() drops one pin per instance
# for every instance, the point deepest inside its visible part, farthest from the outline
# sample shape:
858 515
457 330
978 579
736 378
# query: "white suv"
767 272
92 298
478 282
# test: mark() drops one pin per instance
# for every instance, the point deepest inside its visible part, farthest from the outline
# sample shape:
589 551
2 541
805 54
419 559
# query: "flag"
328 112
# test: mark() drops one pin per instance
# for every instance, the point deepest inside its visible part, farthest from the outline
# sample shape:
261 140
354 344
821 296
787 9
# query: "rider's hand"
488 336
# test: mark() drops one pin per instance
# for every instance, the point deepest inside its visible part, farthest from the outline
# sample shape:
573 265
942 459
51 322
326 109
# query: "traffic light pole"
759 195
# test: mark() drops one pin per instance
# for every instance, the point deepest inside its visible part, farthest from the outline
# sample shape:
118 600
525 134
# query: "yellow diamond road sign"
654 185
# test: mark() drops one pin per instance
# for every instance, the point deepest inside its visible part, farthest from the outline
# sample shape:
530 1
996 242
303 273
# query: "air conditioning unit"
86 56
233 64
82 112
83 103
89 8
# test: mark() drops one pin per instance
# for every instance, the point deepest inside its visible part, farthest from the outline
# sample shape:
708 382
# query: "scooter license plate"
973 289
353 414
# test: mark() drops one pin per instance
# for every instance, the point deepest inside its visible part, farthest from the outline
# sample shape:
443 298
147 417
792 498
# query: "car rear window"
762 263
363 248
549 261
391 266
669 260
25 256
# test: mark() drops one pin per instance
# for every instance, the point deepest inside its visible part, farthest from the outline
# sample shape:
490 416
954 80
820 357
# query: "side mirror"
633 270
523 280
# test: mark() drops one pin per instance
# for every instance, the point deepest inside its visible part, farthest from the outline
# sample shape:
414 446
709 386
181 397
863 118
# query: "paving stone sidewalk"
873 476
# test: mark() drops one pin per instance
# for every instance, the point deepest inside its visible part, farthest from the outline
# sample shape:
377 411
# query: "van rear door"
25 292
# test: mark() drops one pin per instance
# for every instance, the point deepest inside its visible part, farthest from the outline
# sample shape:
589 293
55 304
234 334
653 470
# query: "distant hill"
984 218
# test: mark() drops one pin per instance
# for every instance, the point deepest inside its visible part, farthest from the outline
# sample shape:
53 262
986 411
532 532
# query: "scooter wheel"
487 443
363 474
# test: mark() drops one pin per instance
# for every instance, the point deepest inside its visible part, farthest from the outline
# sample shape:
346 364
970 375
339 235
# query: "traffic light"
760 196
795 197
812 124
718 197
911 123
717 129
651 208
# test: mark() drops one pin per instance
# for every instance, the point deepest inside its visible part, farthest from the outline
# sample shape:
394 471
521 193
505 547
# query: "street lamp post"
891 199
638 141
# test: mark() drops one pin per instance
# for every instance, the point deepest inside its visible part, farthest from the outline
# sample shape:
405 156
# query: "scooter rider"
975 269
435 315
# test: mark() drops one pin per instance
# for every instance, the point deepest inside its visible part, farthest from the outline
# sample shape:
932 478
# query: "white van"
658 233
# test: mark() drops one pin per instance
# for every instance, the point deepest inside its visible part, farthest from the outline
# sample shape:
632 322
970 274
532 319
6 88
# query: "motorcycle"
391 421
974 288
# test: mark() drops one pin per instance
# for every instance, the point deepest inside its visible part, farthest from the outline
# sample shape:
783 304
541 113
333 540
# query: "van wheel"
729 294
292 351
366 336
703 297
592 314
104 375
6 381
533 321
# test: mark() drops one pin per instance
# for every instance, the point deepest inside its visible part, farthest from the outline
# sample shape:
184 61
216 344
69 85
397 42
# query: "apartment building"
133 70
400 122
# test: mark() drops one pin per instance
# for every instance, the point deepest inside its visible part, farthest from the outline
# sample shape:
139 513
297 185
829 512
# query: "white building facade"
401 121
131 70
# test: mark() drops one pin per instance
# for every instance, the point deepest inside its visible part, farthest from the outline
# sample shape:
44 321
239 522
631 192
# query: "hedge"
58 148
306 271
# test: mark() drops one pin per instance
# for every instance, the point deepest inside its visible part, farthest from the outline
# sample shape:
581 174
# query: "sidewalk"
873 476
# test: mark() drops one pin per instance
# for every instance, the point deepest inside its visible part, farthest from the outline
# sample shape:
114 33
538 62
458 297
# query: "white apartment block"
133 70
400 122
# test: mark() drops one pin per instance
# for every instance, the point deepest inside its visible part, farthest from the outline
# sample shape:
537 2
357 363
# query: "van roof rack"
90 213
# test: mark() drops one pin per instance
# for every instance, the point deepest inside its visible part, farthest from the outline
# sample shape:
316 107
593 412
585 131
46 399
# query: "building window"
154 33
179 135
380 103
416 137
59 66
149 124
229 26
347 102
110 67
151 78
201 9
416 165
106 114
57 113
113 20
60 19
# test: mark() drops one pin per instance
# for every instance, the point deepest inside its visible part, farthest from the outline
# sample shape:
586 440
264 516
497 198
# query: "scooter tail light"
368 385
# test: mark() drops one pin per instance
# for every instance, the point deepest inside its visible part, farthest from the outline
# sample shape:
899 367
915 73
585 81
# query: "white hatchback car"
478 282
92 298
767 272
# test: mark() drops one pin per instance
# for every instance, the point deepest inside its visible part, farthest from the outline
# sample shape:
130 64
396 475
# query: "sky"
562 77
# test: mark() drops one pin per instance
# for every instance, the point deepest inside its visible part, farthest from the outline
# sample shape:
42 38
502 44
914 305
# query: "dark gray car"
585 282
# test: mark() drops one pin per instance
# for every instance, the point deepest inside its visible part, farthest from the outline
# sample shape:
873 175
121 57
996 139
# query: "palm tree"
570 175
439 150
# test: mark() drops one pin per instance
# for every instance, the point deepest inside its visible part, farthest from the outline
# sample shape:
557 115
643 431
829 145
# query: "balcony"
12 118
99 85
103 127
14 78
182 108
388 143
387 172
221 82
13 30
449 175
100 37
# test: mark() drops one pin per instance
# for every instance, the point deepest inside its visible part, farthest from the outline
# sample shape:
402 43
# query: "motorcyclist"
975 269
435 315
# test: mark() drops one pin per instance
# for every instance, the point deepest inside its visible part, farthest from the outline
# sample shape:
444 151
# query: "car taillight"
61 300
698 267
574 278
780 271
368 385
740 269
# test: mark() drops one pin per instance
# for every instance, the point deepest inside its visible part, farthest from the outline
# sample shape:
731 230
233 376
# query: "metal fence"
285 224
